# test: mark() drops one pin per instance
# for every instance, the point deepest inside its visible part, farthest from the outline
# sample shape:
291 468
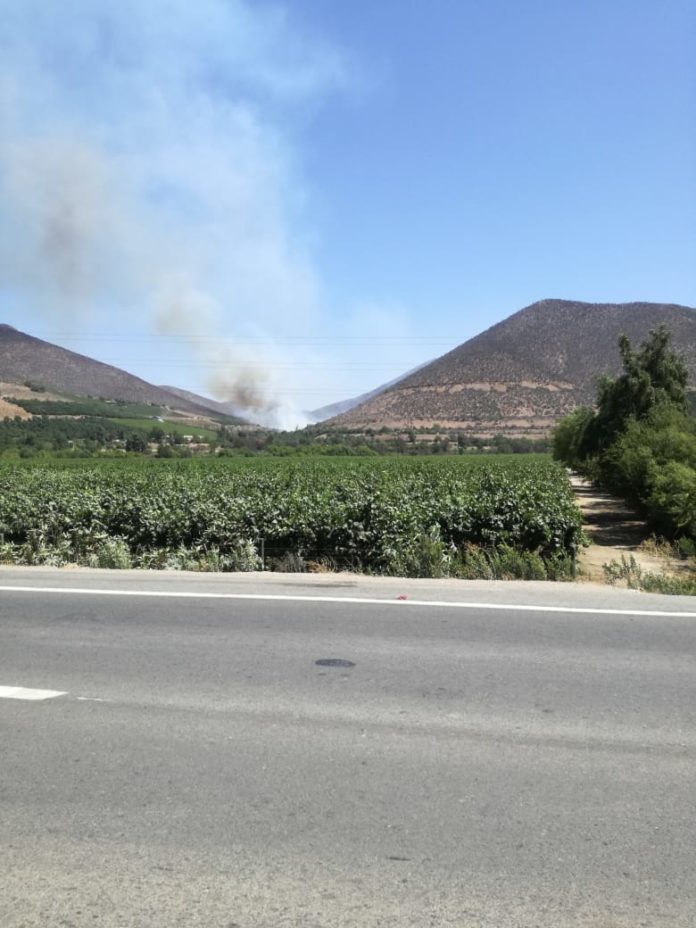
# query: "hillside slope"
25 358
226 410
521 375
336 409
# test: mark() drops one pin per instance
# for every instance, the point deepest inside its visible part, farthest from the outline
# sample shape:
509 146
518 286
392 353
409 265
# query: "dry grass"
10 410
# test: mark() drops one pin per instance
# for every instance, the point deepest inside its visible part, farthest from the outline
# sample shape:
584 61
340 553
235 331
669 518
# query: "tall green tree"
654 375
641 441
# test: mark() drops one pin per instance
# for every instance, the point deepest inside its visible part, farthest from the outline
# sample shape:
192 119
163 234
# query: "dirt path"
614 530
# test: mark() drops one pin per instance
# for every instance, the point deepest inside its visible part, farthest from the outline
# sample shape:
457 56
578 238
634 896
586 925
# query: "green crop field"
450 516
84 406
167 426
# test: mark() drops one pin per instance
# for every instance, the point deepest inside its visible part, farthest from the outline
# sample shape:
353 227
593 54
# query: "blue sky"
287 204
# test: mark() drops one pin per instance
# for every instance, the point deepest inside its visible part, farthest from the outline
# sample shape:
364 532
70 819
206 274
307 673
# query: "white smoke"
145 167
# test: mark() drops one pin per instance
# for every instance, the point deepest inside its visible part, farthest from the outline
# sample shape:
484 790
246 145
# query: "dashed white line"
348 600
23 692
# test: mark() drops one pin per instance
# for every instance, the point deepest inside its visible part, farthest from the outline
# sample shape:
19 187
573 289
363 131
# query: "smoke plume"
146 168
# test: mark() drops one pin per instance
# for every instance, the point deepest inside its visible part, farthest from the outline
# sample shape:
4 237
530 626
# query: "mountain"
335 409
521 375
24 358
228 410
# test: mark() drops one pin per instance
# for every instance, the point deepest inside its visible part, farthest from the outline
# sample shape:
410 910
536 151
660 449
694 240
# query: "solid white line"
352 600
21 692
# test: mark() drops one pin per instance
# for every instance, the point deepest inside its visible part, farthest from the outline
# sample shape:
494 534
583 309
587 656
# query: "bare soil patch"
21 391
10 410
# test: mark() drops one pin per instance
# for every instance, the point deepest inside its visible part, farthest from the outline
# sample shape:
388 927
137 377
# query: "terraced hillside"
521 375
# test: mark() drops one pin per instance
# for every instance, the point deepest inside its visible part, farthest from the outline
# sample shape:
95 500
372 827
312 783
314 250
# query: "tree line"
640 440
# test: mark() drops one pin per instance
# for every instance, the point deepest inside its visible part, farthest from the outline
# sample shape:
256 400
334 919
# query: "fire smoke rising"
143 170
230 377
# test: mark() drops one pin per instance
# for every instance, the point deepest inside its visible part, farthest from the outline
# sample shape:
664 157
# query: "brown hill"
336 409
25 358
521 375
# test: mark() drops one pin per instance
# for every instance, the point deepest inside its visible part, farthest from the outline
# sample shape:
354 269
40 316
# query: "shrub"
672 499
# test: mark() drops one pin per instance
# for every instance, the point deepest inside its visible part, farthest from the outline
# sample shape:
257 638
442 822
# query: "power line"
251 339
184 363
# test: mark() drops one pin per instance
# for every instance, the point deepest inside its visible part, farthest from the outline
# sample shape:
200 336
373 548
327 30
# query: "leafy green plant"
113 553
627 570
641 441
399 516
671 586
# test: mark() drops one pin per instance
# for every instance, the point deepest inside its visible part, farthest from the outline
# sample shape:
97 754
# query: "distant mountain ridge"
214 406
522 374
516 378
26 358
335 409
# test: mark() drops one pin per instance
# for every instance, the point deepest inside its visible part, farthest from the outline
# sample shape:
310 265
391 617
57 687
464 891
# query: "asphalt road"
526 758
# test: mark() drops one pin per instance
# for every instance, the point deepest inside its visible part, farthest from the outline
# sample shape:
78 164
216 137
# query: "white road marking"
346 600
22 692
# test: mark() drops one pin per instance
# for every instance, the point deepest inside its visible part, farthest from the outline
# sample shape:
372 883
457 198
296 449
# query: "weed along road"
256 751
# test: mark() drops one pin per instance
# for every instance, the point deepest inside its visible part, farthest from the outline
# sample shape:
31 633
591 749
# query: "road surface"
497 754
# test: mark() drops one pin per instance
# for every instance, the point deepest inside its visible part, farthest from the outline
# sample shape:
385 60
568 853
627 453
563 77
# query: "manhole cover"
334 662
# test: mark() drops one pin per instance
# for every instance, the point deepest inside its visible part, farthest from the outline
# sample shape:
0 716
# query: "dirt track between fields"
614 529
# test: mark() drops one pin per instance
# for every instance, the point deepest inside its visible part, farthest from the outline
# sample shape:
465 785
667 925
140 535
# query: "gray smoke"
244 387
229 374
143 172
63 234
